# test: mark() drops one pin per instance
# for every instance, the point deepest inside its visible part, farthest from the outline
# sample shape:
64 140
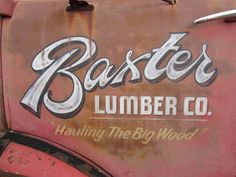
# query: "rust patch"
53 163
10 158
11 151
88 19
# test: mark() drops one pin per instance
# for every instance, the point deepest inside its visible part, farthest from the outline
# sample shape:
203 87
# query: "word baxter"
178 67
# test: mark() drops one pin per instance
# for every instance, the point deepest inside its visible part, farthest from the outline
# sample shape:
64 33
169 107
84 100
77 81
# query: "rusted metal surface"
199 128
22 160
7 7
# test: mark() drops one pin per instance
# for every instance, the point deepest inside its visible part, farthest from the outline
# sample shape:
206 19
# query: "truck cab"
124 89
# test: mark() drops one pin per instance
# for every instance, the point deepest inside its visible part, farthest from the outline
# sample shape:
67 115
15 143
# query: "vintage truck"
118 88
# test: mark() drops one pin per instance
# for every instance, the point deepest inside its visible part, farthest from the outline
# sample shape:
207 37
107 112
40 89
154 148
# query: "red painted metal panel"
195 112
22 160
7 7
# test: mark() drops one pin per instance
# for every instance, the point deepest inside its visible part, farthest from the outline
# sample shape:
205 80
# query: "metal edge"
3 121
38 144
221 15
7 7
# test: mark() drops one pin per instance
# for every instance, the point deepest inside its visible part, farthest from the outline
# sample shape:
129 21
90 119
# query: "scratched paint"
26 161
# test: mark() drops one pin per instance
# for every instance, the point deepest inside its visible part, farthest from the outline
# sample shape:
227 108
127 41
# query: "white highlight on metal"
217 16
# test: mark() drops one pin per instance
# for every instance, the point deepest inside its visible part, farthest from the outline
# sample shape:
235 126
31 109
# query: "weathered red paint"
7 7
19 159
117 27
